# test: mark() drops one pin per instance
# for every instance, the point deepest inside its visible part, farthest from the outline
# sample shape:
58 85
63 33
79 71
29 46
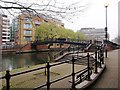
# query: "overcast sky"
94 16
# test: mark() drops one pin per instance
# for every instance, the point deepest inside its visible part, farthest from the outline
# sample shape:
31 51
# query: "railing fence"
81 75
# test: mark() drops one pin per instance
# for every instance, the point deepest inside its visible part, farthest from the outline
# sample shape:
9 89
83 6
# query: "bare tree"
50 8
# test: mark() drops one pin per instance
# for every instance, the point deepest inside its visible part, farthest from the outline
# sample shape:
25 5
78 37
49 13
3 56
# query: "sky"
94 16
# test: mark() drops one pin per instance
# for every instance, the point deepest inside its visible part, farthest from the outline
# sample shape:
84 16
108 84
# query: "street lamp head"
106 5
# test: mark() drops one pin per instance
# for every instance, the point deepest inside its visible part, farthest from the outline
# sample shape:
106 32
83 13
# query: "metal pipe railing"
99 56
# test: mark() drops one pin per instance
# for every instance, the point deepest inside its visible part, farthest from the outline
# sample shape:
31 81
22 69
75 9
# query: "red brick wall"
42 47
26 47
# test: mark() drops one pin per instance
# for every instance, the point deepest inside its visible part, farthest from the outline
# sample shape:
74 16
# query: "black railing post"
48 76
100 58
106 51
73 73
96 62
7 76
88 57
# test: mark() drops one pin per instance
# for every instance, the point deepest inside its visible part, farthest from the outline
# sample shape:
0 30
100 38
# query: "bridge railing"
77 77
61 52
65 50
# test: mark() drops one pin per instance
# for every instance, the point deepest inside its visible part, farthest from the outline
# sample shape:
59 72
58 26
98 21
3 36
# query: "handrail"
23 72
62 51
40 86
66 50
48 66
27 71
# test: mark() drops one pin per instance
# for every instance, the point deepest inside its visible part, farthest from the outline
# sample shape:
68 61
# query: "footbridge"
62 42
83 43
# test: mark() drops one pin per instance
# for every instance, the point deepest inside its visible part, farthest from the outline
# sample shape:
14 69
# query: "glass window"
27 25
27 32
28 38
27 19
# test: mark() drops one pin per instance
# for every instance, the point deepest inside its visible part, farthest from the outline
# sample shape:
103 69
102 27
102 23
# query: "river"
14 61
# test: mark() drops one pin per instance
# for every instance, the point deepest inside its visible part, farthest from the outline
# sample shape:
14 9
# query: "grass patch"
43 74
22 82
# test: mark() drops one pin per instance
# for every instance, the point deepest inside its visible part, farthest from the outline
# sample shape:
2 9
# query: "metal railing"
61 52
66 50
77 77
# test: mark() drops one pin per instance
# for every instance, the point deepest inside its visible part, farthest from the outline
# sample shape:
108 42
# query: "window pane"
27 25
27 19
27 38
27 32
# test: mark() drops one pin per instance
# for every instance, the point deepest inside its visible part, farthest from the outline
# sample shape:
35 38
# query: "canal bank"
36 78
54 74
29 58
14 61
13 51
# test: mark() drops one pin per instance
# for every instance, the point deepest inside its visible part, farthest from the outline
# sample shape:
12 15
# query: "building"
94 34
4 30
24 26
13 29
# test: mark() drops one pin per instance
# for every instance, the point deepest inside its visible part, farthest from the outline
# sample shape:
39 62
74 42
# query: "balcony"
5 29
5 40
6 33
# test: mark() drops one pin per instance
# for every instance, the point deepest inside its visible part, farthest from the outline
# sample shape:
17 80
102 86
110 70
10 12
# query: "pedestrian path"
109 78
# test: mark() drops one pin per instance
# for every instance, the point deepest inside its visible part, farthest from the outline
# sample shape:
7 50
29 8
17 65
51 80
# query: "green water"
14 61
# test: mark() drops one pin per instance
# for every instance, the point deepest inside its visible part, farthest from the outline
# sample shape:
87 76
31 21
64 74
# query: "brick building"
24 26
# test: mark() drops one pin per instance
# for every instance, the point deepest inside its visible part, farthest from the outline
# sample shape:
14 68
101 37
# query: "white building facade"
94 33
4 29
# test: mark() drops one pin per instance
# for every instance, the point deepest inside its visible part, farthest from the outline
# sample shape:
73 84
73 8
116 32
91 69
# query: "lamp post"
106 5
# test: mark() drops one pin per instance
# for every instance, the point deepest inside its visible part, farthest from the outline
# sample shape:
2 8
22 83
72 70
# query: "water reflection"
13 61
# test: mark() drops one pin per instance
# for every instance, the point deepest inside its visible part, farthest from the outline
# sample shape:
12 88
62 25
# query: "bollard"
88 66
7 76
73 74
48 76
96 62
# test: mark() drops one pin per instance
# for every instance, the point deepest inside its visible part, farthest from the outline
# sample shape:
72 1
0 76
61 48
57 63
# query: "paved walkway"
109 78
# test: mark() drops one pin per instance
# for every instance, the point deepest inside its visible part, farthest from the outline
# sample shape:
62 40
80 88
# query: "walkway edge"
94 77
